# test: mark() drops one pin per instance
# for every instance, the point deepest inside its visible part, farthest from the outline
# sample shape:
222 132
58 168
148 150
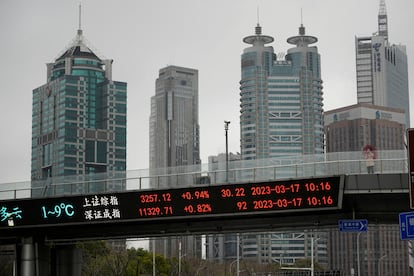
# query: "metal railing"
209 174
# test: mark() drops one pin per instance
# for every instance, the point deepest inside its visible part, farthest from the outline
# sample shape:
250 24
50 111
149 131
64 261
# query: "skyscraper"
174 128
379 119
381 69
281 114
79 118
175 143
281 100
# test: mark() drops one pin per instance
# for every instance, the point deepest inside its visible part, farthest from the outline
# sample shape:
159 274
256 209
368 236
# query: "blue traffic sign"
407 226
353 225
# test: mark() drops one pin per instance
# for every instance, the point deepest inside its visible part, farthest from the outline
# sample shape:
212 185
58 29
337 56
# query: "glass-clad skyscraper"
281 100
79 118
281 114
174 128
381 69
175 144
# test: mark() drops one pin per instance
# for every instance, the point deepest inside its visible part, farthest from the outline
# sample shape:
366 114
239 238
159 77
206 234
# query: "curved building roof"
258 37
79 48
302 40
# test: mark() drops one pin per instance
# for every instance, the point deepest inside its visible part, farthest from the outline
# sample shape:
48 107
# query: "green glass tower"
281 98
281 120
78 119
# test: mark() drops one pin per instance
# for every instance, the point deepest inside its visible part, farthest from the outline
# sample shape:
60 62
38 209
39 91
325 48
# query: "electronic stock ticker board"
264 198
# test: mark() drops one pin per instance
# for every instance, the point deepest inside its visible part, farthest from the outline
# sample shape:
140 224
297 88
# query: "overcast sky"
145 36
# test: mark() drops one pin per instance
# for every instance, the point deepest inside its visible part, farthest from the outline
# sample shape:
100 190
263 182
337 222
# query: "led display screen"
264 198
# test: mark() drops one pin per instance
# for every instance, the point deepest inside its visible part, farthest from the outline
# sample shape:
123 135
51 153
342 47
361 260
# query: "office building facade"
221 247
78 119
175 143
174 127
381 251
379 119
281 100
353 127
381 69
281 115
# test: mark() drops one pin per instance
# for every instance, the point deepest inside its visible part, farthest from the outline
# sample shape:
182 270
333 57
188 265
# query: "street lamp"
312 261
199 269
238 254
379 264
153 257
179 257
237 260
358 258
226 129
230 266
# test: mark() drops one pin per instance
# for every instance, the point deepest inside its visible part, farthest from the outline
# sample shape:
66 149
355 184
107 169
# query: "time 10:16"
323 186
314 201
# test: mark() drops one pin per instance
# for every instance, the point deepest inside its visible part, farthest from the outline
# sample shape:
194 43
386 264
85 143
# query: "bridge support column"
34 258
68 260
27 258
38 259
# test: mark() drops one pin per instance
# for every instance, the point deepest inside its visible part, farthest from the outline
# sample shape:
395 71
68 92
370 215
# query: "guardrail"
239 171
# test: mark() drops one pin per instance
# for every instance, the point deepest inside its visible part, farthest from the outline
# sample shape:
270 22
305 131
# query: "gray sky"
144 36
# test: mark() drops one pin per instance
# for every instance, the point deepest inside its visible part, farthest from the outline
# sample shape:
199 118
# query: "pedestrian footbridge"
260 195
311 192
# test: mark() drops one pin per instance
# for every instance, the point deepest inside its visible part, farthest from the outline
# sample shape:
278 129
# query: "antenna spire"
301 17
80 19
383 8
258 15
383 20
258 29
301 28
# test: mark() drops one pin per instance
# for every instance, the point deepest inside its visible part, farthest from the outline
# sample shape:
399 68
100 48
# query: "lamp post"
238 254
153 257
312 264
312 257
379 264
237 260
358 258
230 266
226 129
179 257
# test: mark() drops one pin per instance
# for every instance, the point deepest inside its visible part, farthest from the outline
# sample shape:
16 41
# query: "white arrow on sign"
362 226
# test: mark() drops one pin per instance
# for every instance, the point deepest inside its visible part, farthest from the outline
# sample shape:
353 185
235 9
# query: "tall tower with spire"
383 20
281 116
256 66
381 69
78 117
281 100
